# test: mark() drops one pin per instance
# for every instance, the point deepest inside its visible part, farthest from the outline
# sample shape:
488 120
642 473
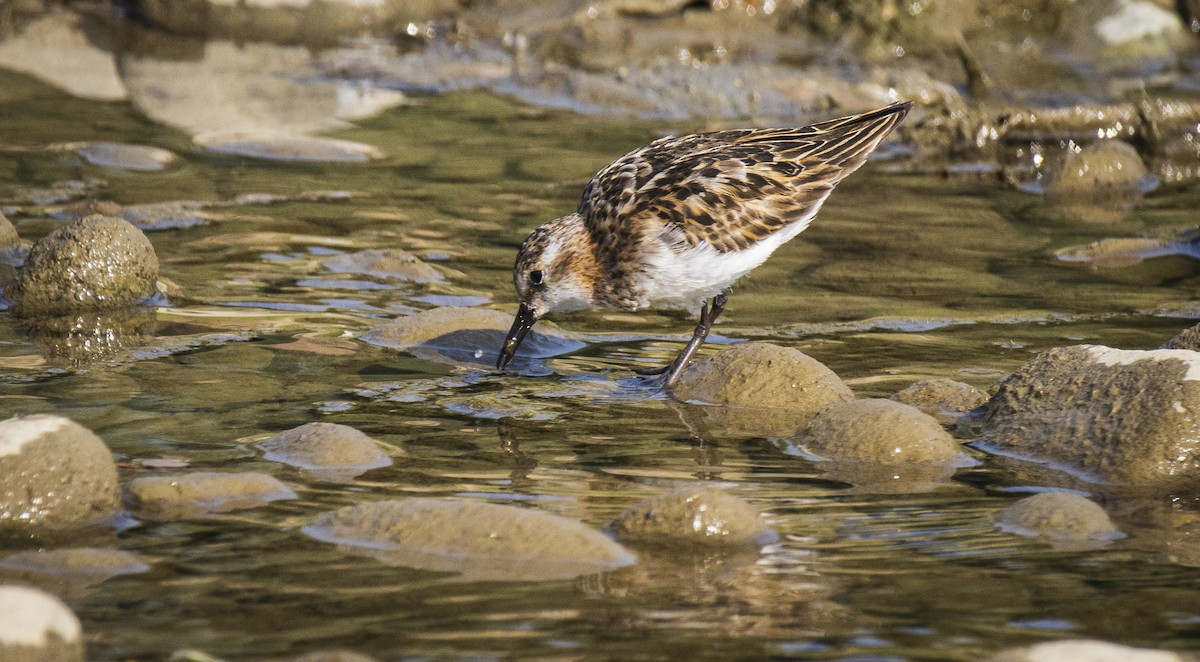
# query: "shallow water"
901 277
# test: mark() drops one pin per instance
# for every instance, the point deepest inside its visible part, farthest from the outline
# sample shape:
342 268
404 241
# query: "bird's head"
553 273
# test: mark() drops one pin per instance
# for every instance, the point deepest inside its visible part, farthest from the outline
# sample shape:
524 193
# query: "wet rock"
1100 183
69 573
37 627
690 516
327 450
54 473
1188 339
202 492
944 399
1125 416
8 233
467 335
878 431
97 263
384 263
1085 650
759 389
1059 516
481 541
122 156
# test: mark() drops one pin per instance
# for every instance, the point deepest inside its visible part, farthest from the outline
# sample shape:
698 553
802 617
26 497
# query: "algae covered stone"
328 450
1059 516
54 472
202 492
687 516
1131 417
96 263
756 388
480 541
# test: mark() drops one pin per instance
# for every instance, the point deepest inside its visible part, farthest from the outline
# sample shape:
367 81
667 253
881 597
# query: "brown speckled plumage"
679 220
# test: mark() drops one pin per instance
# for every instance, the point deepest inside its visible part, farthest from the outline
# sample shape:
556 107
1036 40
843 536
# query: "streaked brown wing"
730 189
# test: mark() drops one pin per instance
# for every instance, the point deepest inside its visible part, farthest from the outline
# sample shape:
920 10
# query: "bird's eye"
535 277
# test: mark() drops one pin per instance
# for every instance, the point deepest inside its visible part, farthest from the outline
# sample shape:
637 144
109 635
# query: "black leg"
708 315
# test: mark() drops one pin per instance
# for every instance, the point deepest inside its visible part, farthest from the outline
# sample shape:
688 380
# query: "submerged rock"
481 541
1085 650
384 263
274 146
1059 516
37 627
1118 252
54 472
328 450
97 263
944 399
1100 183
690 516
94 561
123 156
757 389
467 335
876 430
202 492
1125 416
69 573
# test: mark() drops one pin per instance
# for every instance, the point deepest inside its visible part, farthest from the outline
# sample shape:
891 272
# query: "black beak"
521 326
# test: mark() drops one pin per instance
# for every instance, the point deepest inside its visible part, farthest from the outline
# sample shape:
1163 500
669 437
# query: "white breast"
686 279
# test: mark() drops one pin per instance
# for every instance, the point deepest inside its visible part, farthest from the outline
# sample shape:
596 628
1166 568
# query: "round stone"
95 263
690 516
54 472
876 430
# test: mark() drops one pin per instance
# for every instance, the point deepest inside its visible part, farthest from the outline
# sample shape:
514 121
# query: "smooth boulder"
691 516
97 263
1128 417
327 450
55 473
480 541
1060 517
756 389
1100 183
944 399
384 263
202 492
